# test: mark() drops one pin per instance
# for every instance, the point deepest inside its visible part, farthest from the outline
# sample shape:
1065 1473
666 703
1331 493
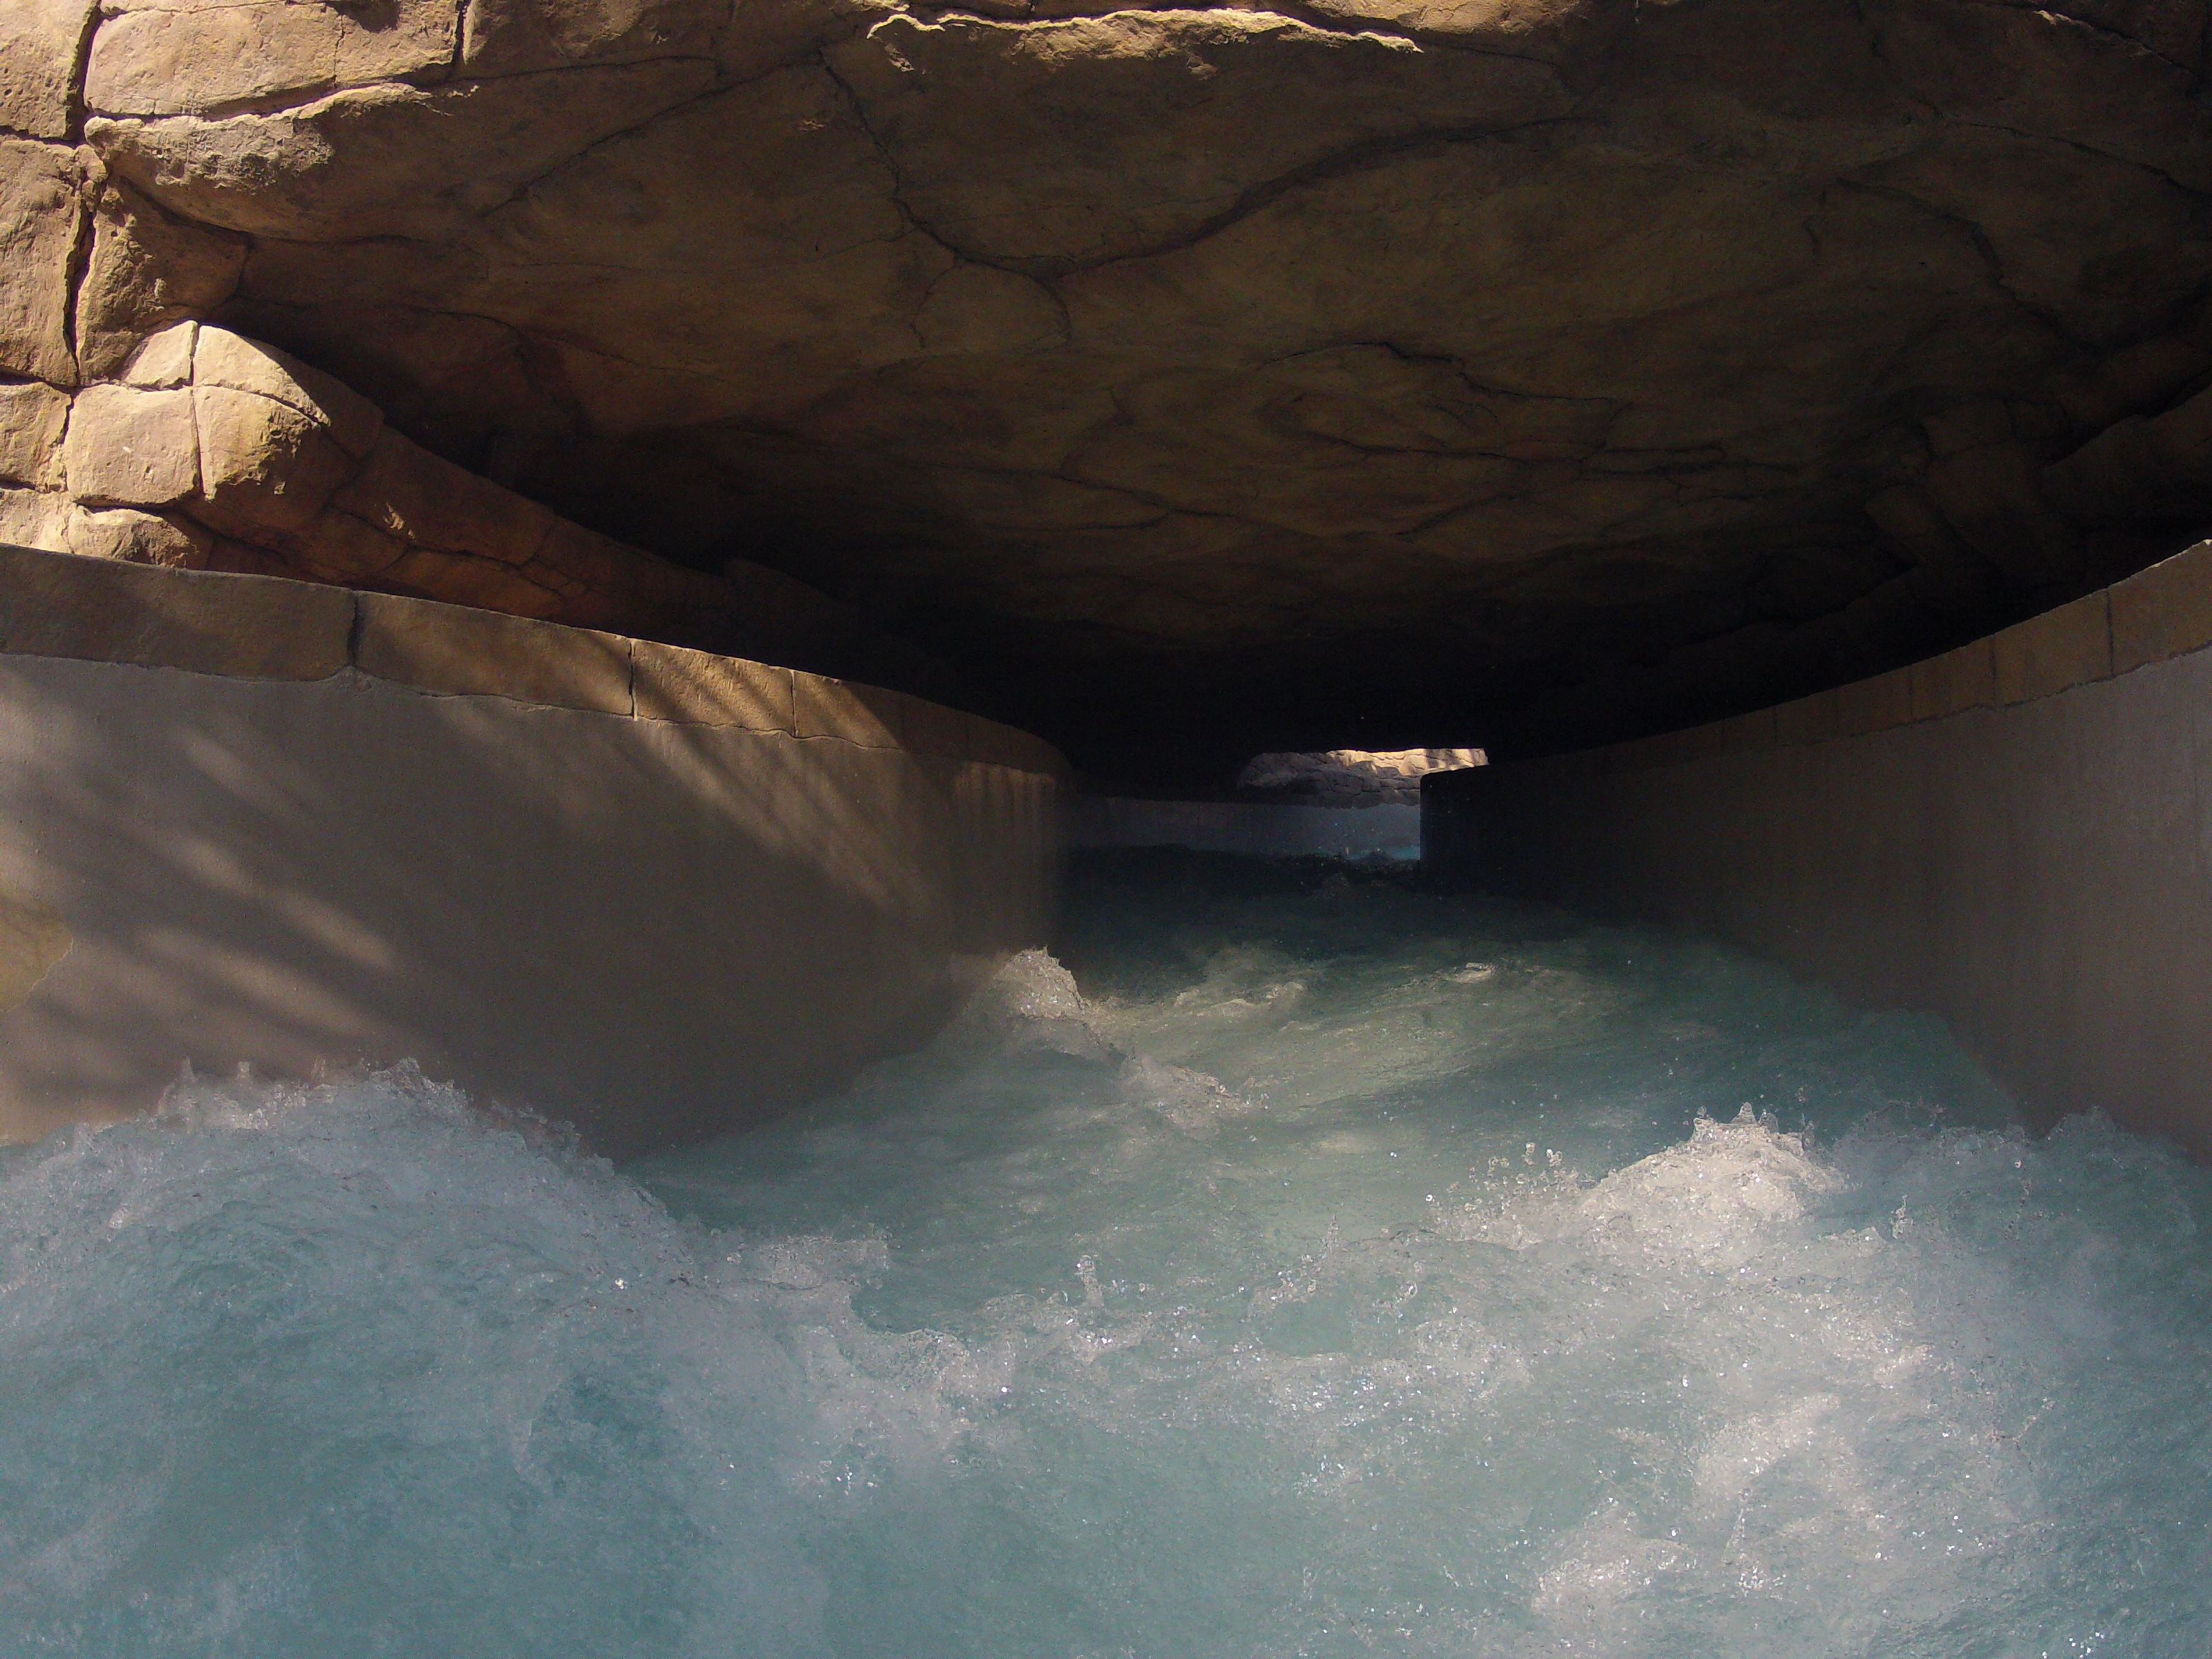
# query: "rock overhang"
1368 373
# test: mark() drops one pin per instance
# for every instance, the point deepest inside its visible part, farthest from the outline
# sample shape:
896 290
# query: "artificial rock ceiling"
1359 372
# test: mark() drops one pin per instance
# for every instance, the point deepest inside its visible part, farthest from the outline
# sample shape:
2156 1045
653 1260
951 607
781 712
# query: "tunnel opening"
1335 803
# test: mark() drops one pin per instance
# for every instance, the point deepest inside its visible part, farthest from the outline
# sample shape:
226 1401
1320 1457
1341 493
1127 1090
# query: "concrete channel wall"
649 890
2016 835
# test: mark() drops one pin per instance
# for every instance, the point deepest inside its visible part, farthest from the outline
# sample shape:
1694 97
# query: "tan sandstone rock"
339 548
146 270
507 37
267 469
485 585
172 59
32 417
1064 186
39 215
136 538
32 518
1551 362
39 42
406 492
389 159
129 447
267 466
163 359
1545 29
222 358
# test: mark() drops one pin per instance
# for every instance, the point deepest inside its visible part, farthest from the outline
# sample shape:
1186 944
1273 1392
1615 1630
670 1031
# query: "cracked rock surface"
1357 372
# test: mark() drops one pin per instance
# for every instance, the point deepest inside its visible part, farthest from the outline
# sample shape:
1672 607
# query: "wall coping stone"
273 627
65 605
865 716
452 649
684 687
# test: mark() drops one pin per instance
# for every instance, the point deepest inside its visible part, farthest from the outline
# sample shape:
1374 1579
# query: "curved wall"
2016 835
653 891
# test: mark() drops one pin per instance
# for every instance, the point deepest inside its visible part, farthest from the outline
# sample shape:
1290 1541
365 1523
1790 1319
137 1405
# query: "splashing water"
1342 1269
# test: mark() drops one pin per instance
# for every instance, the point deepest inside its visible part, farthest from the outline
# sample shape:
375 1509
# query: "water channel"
1300 1262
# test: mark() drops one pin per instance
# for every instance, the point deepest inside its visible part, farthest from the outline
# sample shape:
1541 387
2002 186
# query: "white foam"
1721 1195
1409 1313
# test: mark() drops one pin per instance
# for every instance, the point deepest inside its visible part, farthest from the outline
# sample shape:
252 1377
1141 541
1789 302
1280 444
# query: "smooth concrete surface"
652 892
1258 828
2016 836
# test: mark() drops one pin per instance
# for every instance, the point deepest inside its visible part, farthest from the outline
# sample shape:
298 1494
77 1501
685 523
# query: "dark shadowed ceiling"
1363 373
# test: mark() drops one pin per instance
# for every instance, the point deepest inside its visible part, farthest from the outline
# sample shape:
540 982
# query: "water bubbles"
1499 1326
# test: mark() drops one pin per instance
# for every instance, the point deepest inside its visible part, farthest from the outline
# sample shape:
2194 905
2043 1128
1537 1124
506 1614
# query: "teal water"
1326 1268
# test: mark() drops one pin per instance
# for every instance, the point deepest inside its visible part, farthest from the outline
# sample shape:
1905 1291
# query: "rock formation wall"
133 431
1356 372
206 450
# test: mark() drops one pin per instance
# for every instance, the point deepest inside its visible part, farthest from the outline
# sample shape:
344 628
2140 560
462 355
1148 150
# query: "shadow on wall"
655 928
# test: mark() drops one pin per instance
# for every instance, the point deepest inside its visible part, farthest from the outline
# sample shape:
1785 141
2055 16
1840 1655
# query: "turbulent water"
1327 1267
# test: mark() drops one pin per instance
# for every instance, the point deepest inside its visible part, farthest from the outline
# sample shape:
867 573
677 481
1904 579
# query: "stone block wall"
2016 835
653 891
201 450
130 429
